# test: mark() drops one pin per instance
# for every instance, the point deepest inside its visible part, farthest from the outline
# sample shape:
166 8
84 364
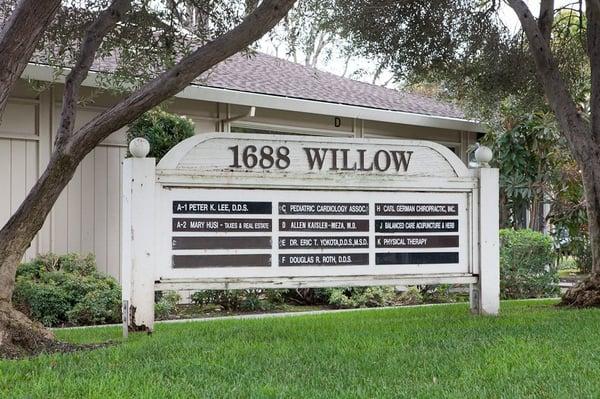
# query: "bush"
66 290
166 305
412 296
163 131
359 297
306 296
236 300
527 267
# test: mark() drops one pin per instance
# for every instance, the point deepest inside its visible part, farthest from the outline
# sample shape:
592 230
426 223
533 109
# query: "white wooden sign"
226 211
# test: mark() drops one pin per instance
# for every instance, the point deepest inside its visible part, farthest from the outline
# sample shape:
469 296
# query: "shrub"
227 299
235 300
166 305
66 290
527 267
412 296
440 293
307 296
361 297
163 130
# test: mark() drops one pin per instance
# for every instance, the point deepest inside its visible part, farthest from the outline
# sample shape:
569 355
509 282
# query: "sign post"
228 211
138 233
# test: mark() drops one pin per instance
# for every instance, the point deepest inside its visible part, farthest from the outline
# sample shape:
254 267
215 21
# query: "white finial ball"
483 155
139 147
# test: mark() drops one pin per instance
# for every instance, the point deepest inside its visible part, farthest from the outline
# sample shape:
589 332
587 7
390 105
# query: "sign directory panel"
290 232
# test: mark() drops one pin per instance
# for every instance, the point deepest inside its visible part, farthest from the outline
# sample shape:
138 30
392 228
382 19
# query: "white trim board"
202 93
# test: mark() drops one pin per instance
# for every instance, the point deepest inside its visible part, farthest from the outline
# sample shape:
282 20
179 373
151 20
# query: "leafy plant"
359 297
527 267
166 305
231 300
162 129
66 290
530 153
440 293
569 218
412 296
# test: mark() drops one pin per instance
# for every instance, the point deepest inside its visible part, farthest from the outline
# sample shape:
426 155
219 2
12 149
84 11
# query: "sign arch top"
309 158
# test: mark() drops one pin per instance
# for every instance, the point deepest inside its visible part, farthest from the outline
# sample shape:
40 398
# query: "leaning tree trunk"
19 335
587 293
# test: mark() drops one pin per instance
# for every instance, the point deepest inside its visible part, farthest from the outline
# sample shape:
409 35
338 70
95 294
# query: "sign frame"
202 166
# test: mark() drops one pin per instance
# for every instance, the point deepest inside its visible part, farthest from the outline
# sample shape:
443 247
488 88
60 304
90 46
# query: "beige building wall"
86 217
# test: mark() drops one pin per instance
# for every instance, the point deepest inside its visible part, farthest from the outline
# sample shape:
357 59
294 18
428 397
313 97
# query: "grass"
533 350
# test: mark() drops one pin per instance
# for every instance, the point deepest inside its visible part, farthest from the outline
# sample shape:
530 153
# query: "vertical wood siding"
86 216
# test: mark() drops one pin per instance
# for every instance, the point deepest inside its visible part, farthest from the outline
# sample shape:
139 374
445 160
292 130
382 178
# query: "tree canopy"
465 49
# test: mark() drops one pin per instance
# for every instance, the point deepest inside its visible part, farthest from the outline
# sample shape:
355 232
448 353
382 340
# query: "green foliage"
66 290
166 305
149 38
527 265
412 296
536 168
275 296
360 297
307 296
237 300
100 306
163 131
465 48
568 215
440 293
530 153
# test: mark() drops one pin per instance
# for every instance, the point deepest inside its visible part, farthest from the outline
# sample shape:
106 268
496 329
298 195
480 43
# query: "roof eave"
202 93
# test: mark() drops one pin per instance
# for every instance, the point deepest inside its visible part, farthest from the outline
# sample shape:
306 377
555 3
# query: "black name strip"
202 261
416 209
415 258
416 226
323 242
222 207
322 208
323 225
416 241
323 259
222 225
221 242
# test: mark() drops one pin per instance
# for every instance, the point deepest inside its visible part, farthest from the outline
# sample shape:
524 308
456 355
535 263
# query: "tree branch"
570 119
94 36
546 19
324 39
21 33
172 81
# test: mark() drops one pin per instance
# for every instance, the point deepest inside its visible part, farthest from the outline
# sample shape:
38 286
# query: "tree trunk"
587 293
18 39
20 336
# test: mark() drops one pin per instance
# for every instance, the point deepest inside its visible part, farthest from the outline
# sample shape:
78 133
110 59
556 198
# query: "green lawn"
532 350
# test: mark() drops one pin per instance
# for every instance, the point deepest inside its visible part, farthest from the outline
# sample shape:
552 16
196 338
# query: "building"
259 93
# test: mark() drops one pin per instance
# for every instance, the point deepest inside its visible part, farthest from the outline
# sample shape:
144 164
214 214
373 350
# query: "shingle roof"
265 74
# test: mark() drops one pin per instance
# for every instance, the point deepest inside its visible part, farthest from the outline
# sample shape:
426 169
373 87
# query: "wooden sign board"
256 211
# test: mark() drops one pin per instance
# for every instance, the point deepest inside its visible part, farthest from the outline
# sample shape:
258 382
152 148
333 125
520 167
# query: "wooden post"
137 235
488 295
484 296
